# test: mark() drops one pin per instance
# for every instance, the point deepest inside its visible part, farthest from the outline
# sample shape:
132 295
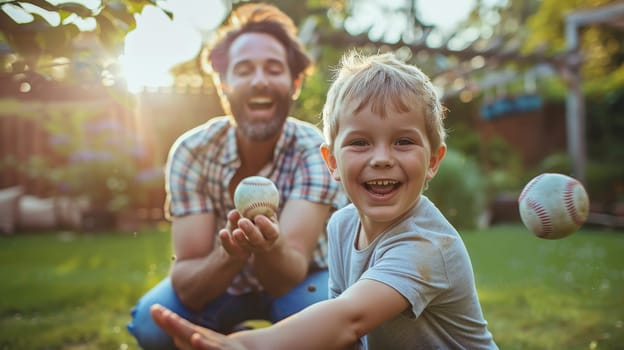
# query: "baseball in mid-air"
256 195
552 205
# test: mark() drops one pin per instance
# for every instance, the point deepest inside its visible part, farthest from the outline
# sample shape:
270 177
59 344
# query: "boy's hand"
188 336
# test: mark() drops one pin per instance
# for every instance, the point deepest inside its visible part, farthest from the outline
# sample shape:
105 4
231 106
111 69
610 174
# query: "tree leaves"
37 39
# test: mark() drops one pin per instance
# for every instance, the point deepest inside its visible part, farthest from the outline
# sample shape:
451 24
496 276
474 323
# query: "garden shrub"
458 190
605 184
556 163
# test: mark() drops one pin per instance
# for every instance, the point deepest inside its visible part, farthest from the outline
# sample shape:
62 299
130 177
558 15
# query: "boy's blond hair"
386 85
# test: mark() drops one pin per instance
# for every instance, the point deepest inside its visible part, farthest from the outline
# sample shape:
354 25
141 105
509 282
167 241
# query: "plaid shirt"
203 161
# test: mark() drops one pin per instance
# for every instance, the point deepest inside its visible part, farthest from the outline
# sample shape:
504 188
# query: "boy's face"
383 163
258 85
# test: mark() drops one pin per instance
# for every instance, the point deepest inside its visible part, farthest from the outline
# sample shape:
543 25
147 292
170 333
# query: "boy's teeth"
382 182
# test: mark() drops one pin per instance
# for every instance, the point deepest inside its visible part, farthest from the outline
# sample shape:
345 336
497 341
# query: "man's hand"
228 242
188 336
244 237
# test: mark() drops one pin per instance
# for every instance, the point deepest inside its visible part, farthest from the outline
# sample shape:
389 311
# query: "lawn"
73 291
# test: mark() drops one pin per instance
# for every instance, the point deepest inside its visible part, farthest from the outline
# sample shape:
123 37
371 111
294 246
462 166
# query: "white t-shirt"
425 260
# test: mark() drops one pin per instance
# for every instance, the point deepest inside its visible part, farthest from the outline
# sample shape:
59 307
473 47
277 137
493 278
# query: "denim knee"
312 290
147 333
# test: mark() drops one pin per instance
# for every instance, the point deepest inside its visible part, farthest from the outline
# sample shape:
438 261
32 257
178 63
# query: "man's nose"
259 78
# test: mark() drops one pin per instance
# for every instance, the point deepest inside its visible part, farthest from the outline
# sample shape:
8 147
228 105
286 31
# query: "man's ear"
435 160
297 84
330 161
221 89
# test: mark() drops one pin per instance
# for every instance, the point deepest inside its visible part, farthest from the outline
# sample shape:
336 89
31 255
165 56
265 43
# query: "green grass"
559 294
74 291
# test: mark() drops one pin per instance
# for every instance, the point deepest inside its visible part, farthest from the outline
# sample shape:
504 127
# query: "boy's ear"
330 161
435 160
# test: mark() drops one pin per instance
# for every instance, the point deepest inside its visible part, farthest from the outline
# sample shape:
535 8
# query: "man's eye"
275 69
242 72
242 69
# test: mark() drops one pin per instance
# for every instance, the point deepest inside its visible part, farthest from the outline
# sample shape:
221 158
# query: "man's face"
258 85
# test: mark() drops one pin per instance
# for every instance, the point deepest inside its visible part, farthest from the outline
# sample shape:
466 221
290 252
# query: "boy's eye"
358 142
405 142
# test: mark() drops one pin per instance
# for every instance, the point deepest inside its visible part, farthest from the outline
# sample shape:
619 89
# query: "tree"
601 44
39 34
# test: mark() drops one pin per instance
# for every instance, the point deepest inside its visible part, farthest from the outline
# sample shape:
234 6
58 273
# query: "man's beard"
260 130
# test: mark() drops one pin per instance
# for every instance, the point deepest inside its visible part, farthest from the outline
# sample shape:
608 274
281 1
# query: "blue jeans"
225 312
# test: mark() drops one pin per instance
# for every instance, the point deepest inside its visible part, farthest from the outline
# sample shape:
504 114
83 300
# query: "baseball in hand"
256 195
553 205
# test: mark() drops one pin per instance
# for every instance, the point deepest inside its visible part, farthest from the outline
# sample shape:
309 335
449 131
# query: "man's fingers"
226 241
233 217
240 236
234 247
267 227
260 233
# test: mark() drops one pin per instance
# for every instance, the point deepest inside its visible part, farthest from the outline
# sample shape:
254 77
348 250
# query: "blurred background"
93 93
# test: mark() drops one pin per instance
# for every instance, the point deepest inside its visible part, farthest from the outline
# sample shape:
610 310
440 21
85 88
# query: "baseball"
256 195
553 205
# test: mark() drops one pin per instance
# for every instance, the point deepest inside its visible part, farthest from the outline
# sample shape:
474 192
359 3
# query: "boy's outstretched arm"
331 324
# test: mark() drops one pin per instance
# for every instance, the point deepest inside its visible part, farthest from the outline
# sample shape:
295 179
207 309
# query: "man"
229 269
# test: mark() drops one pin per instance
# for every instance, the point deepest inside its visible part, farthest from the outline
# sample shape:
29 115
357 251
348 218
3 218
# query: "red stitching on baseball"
529 186
542 214
568 198
251 182
258 205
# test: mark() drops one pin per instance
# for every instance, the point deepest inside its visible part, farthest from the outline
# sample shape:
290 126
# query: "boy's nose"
381 163
382 158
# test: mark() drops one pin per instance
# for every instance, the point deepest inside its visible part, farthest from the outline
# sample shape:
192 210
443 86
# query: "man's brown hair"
258 18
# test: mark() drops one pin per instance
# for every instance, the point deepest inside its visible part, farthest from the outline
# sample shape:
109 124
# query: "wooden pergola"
611 15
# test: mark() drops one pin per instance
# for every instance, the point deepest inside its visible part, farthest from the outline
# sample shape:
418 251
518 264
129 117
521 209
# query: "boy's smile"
382 187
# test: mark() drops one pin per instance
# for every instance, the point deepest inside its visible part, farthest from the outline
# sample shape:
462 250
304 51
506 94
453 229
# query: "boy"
400 275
